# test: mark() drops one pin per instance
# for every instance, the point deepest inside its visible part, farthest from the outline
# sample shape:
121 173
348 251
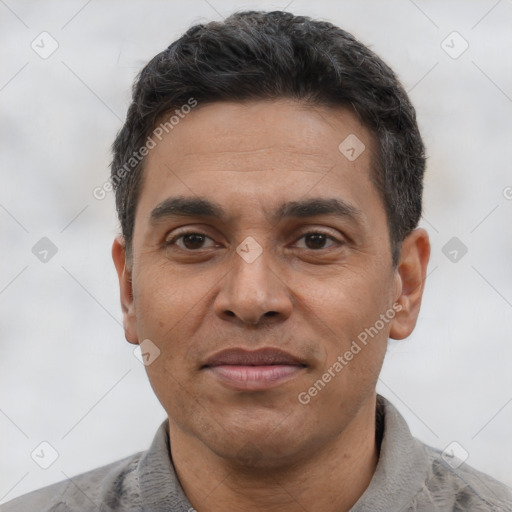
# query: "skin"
243 450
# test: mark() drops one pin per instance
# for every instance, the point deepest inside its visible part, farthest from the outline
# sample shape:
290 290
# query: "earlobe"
411 273
126 291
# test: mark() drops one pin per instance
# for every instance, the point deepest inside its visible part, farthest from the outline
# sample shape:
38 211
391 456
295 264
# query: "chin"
267 448
253 456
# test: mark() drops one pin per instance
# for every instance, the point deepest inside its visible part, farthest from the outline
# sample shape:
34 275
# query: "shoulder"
111 487
453 485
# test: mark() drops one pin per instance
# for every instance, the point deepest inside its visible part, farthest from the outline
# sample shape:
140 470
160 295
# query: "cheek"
170 311
163 298
347 314
345 301
346 311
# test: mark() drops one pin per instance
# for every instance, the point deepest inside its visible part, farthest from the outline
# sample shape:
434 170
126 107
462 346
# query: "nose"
253 293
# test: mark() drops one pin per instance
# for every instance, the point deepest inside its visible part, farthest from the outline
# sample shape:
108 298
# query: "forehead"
291 126
260 153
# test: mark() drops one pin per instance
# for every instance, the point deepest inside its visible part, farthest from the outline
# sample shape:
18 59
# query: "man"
268 183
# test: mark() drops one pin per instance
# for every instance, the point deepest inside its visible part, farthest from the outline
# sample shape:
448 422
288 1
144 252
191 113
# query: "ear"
125 286
410 280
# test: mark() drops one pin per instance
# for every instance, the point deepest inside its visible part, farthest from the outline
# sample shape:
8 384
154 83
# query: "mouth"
254 370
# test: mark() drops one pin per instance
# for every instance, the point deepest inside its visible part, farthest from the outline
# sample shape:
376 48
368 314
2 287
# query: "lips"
254 370
261 357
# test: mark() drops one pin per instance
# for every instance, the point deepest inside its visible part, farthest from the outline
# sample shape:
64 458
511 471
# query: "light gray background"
67 375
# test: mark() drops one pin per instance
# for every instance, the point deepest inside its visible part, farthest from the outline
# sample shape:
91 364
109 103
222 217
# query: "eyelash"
186 233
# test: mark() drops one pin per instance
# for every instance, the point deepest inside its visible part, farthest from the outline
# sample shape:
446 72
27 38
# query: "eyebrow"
317 206
186 207
201 207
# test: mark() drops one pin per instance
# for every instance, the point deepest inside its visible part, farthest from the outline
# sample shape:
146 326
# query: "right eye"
191 241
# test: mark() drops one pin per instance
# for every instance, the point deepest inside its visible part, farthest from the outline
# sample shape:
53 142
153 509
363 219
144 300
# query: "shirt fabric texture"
410 477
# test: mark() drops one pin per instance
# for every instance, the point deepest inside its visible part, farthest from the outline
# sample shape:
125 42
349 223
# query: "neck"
331 480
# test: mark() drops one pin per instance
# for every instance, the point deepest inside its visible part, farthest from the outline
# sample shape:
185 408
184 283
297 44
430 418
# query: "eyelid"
185 233
327 234
177 236
189 229
311 230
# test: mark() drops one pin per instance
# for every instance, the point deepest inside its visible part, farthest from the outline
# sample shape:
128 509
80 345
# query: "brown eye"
191 241
316 241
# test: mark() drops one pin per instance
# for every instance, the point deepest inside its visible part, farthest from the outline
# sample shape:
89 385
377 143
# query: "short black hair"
255 55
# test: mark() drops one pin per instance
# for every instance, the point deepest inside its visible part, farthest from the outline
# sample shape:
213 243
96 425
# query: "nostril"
271 313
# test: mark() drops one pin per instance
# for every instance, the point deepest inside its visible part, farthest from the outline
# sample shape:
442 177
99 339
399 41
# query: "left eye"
317 241
191 241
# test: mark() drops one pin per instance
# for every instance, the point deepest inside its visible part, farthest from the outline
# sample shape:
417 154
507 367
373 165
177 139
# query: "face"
256 235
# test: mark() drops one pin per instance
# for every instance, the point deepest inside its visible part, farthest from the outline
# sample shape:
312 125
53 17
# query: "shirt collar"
402 467
159 486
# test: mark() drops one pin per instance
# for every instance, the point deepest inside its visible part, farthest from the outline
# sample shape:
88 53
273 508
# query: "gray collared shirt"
410 476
